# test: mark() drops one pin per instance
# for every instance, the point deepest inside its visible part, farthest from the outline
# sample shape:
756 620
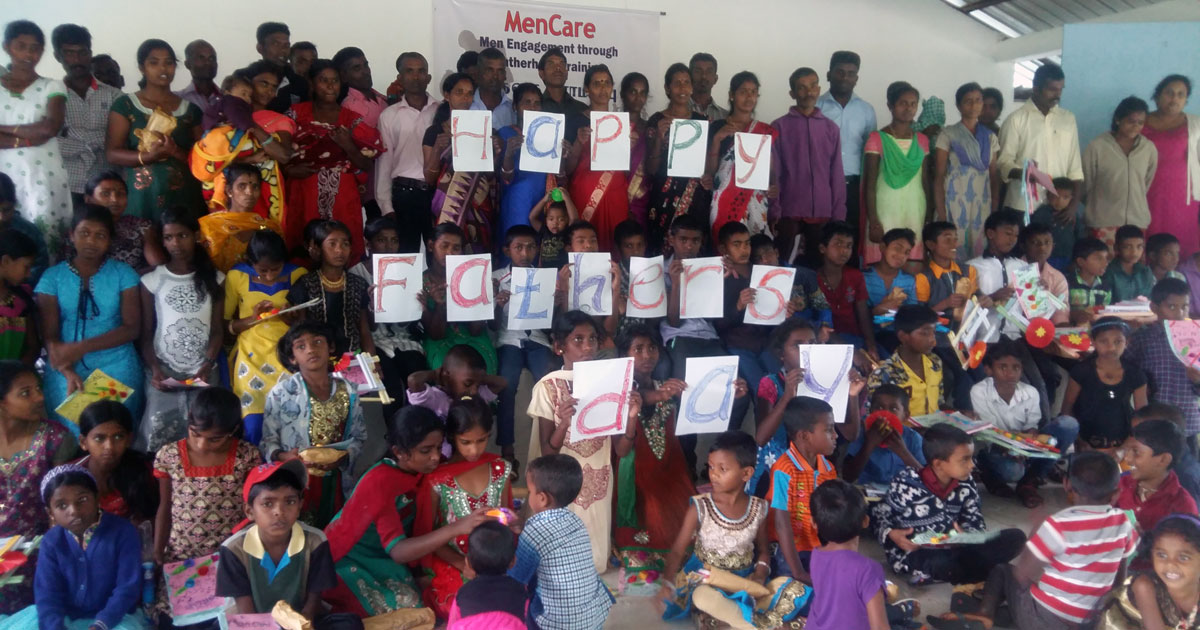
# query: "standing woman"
895 180
519 190
732 202
635 91
335 149
601 196
671 196
1118 170
156 164
965 179
1174 196
32 109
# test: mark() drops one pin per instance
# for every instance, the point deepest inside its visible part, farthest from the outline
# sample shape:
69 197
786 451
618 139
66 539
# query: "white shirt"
502 116
402 128
1051 140
992 276
1022 413
183 323
503 277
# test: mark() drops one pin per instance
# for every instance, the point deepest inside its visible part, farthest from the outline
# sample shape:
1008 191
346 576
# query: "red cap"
263 472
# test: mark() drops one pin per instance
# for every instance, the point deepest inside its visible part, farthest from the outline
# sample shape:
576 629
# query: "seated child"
11 219
1167 595
1037 241
274 557
1127 276
945 286
746 341
1061 204
1162 256
1085 544
1086 287
992 269
914 367
940 498
880 451
462 374
554 555
441 334
630 239
736 545
550 217
844 288
1168 380
1187 468
810 304
491 600
889 286
1151 488
774 392
1101 387
106 431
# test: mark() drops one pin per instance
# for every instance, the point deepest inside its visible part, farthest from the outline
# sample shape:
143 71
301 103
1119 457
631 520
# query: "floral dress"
42 185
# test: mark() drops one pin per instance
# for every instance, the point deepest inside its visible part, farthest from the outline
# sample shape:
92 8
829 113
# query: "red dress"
602 198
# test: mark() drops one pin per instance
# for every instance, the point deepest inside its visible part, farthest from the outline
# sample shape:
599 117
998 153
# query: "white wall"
924 42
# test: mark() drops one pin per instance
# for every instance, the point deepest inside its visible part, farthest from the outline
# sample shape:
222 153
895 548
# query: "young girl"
200 482
252 289
18 334
1167 597
122 475
369 539
440 336
135 240
1101 388
550 218
729 529
774 392
344 302
182 305
90 315
29 446
472 479
310 407
896 183
86 546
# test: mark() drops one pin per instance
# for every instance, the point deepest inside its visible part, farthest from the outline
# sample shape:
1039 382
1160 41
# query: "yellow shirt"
926 393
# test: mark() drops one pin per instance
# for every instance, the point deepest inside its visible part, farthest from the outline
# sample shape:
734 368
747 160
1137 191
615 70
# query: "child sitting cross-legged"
882 450
1166 596
914 366
1169 380
1151 489
1101 387
491 600
940 498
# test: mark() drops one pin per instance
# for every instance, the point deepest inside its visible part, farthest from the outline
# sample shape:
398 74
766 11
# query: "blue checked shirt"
1166 375
554 555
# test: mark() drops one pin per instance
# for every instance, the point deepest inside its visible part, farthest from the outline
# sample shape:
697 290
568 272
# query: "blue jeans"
1003 466
513 361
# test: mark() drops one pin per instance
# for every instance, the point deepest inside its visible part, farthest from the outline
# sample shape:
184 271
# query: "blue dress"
518 197
79 321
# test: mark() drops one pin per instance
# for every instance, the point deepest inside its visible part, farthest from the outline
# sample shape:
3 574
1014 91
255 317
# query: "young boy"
1086 288
889 286
581 237
848 588
1002 228
879 452
630 239
940 498
1059 213
794 477
807 298
554 555
746 341
945 286
1162 255
1169 380
463 373
844 288
914 367
1128 277
1068 565
1151 489
550 219
516 350
277 558
1037 240
1187 468
490 598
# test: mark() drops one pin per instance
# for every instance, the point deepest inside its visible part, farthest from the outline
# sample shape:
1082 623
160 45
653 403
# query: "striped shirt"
793 481
1083 547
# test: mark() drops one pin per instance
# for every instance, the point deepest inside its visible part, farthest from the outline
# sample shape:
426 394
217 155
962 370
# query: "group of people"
150 242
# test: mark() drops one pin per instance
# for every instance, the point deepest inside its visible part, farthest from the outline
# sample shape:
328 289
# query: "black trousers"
412 201
968 564
854 214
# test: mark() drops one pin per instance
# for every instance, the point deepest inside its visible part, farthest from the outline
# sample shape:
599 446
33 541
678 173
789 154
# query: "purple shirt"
205 103
808 166
843 582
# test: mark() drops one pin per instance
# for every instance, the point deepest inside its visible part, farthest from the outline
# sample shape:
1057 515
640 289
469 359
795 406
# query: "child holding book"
1101 387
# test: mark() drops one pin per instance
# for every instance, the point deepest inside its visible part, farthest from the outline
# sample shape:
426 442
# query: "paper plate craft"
192 589
1040 332
504 515
97 386
955 537
1184 337
893 424
1075 338
968 340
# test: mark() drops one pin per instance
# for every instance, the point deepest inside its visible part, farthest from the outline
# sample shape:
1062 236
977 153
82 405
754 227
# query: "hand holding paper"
707 403
602 389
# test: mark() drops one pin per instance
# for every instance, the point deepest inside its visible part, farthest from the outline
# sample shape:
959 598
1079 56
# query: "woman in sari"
896 183
334 152
1174 196
730 201
965 179
467 200
150 133
225 233
671 197
635 91
602 196
520 190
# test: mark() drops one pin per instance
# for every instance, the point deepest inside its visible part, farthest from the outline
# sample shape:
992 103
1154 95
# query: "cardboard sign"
469 288
590 290
531 298
702 288
752 160
394 297
772 290
192 589
687 148
1184 337
610 141
707 403
602 389
542 152
471 141
647 288
827 375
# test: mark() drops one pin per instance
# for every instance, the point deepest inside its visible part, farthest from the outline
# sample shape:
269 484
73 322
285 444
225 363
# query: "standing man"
855 119
302 57
400 182
491 93
275 46
807 165
362 99
85 126
200 58
1041 131
703 67
552 69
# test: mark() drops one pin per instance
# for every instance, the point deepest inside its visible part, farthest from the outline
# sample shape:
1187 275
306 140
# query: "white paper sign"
469 288
531 298
687 148
471 140
610 141
772 291
702 288
602 389
647 288
752 160
827 375
590 289
397 284
707 403
542 151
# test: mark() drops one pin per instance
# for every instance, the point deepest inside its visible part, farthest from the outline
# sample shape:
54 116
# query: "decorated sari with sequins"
1118 611
467 200
728 544
441 501
652 493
